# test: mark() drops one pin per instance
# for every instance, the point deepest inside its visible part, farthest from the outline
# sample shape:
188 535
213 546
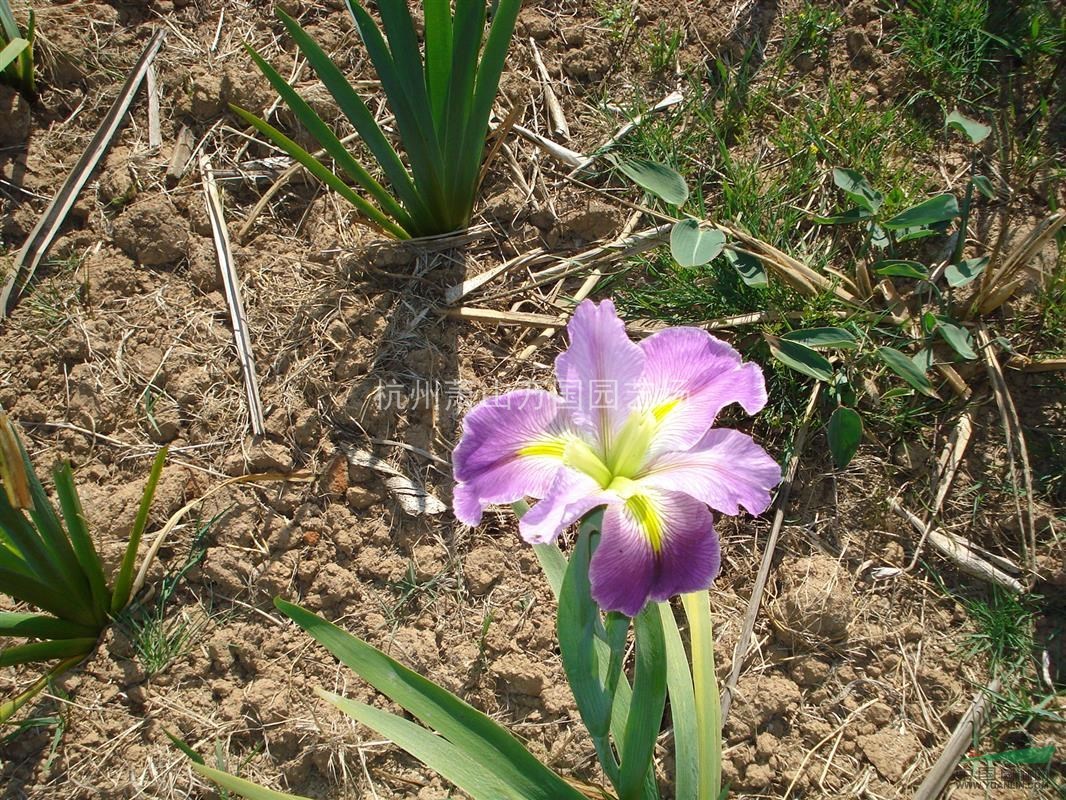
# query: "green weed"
416 593
945 43
617 17
157 636
662 48
809 30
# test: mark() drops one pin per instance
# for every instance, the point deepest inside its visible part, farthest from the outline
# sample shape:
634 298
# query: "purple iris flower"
630 430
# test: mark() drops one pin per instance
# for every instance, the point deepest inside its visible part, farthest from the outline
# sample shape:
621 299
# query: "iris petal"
661 545
599 373
689 376
511 448
726 469
572 495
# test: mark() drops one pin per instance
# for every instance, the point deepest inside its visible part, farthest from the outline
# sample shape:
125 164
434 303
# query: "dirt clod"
151 232
891 752
815 604
517 674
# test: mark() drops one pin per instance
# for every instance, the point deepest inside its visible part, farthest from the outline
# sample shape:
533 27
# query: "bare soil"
124 344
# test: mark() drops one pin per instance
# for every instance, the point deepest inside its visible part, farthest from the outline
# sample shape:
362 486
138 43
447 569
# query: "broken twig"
958 550
233 298
47 227
413 498
957 744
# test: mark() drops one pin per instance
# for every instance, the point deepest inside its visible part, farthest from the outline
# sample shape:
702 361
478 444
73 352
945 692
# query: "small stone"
333 481
765 746
117 187
537 26
138 695
360 498
804 63
203 272
810 671
73 347
757 776
165 423
880 714
815 603
482 568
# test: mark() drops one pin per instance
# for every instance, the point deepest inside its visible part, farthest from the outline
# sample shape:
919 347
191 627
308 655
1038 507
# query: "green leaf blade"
687 768
964 272
460 723
329 142
984 186
816 338
802 359
353 107
942 208
120 593
438 35
419 139
468 770
748 267
486 86
848 217
958 338
649 702
12 50
692 245
320 171
45 597
975 131
896 268
705 692
904 367
845 434
246 789
858 189
576 624
42 626
89 560
46 651
663 182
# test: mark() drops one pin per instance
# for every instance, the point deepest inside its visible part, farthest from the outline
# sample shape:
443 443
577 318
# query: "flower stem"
708 702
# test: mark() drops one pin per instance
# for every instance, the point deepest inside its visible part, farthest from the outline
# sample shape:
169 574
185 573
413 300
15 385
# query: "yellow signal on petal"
662 409
547 448
646 516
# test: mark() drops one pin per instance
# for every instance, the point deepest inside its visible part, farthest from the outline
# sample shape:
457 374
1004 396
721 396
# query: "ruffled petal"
689 376
572 495
512 447
653 546
725 469
599 373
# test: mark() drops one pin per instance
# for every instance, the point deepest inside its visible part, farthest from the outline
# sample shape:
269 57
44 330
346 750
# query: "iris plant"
628 447
441 104
48 561
632 431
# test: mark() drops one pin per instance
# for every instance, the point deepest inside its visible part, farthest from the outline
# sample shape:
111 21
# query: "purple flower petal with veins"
632 431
